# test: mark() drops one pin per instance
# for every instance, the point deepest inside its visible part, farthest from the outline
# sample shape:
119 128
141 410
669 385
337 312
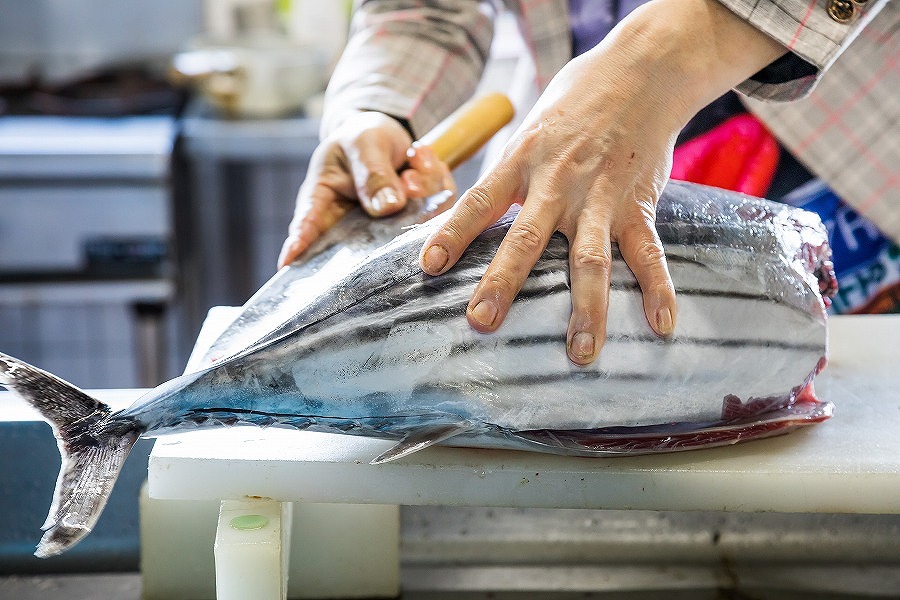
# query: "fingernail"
435 259
424 153
664 323
384 199
485 312
288 249
283 255
583 344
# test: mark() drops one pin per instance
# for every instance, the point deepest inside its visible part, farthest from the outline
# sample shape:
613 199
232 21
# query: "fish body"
329 259
383 350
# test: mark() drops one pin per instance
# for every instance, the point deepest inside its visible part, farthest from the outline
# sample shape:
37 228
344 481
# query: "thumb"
386 201
378 187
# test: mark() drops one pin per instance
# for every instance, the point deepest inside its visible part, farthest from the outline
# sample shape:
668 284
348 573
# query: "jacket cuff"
814 31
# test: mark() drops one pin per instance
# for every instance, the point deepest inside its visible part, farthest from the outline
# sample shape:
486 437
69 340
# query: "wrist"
693 51
354 121
403 123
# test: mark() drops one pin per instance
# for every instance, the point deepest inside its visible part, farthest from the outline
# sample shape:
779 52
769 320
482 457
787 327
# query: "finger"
416 188
520 249
643 252
426 175
315 212
475 211
590 265
413 184
378 186
296 243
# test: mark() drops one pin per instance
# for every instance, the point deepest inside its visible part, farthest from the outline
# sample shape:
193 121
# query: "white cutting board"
850 463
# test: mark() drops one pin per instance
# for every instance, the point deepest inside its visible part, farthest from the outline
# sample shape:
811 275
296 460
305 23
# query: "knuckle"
651 251
526 238
648 255
499 282
593 258
478 204
377 178
453 232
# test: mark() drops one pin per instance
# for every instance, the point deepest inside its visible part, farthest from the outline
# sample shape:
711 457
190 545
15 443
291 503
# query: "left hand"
592 167
591 160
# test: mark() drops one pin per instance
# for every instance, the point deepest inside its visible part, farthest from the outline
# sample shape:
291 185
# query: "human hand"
587 164
591 160
358 164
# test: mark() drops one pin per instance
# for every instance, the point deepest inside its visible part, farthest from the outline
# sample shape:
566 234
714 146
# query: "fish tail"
93 446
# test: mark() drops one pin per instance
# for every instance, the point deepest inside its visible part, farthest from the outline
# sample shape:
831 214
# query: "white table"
849 464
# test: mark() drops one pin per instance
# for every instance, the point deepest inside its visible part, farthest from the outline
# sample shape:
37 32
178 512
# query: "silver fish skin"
385 351
330 258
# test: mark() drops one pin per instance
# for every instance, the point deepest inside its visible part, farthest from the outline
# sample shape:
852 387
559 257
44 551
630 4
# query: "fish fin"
93 447
422 437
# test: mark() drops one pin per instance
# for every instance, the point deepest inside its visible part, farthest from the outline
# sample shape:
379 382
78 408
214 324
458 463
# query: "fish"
384 350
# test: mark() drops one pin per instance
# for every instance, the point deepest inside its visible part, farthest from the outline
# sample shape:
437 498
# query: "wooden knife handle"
459 136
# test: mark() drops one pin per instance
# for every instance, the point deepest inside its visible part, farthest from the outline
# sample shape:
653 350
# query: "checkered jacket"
419 60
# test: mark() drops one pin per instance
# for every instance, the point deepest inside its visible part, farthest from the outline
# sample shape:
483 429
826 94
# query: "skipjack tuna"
385 351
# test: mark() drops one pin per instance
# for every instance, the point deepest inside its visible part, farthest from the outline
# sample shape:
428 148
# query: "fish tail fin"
93 447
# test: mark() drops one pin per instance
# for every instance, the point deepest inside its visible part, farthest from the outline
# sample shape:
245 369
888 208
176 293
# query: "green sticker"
249 522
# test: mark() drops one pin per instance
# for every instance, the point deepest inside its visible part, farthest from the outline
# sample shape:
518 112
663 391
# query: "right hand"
358 163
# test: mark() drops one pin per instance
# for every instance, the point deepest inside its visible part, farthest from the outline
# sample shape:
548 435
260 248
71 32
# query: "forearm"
685 53
412 62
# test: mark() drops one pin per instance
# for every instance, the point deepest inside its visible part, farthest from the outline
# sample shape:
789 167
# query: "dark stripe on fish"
374 331
573 375
650 338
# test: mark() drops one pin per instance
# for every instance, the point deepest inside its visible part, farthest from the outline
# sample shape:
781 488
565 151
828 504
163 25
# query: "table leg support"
252 549
336 550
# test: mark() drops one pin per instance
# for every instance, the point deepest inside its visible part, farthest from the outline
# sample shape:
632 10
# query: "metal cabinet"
86 270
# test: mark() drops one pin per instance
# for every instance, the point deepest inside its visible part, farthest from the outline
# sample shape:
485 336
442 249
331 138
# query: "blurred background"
149 157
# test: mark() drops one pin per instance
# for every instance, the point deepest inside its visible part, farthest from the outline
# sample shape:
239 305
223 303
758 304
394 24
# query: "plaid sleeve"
815 31
846 130
415 60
